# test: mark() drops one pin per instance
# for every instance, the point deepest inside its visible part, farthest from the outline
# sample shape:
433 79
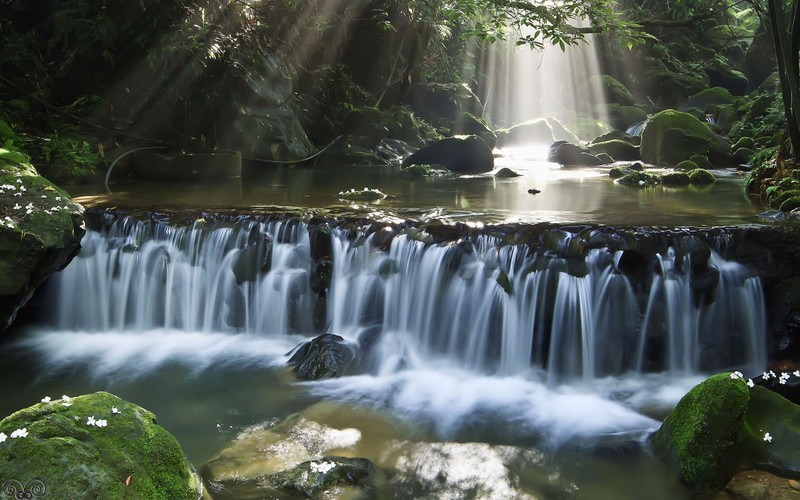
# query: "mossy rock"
326 356
744 142
40 232
686 166
720 74
463 154
744 155
415 171
619 150
697 440
366 194
639 179
769 412
701 161
790 204
622 117
617 172
613 90
727 117
73 459
506 172
605 158
469 124
709 98
672 136
670 88
675 179
701 176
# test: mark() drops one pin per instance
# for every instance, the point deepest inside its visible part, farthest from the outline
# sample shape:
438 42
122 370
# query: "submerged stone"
95 446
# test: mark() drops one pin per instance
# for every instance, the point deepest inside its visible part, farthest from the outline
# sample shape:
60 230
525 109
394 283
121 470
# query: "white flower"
765 375
767 437
66 398
750 383
22 188
17 207
17 194
19 181
796 373
58 198
322 467
114 410
736 375
3 437
102 423
46 399
91 421
20 433
43 196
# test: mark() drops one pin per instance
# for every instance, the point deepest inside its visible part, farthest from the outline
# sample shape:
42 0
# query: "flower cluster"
783 379
97 423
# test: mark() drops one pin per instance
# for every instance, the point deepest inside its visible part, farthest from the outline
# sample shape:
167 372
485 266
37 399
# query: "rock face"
464 154
83 448
670 137
722 426
40 232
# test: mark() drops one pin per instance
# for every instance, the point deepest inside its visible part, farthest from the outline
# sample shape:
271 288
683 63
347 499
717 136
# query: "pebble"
793 484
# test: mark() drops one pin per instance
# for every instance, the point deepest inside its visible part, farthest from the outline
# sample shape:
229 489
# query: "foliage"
68 156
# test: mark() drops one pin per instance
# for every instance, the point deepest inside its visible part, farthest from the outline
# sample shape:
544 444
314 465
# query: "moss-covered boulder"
618 149
697 441
469 124
675 179
95 446
40 232
720 74
672 136
537 131
769 439
701 176
669 88
709 98
613 90
571 154
686 166
463 154
701 161
622 117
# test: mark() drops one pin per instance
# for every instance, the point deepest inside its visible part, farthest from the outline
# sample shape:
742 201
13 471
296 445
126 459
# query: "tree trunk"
786 34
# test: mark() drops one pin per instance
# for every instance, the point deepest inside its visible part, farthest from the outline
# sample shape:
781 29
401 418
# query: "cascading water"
489 308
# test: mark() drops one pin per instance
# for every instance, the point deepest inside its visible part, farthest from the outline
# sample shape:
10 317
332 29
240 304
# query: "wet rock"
83 448
710 97
686 166
639 179
672 136
622 117
697 440
532 132
253 261
569 154
614 91
326 356
464 154
40 233
675 179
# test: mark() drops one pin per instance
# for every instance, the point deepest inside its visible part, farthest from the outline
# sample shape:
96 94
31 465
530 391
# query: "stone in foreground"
94 446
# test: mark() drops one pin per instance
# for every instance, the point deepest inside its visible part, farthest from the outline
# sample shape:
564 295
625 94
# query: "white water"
470 334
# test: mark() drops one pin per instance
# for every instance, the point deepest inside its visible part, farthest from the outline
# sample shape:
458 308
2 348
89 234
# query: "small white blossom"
17 206
322 467
102 423
765 375
22 188
19 181
3 437
46 399
784 378
91 420
750 383
20 433
767 437
114 410
66 398
17 194
736 375
58 198
67 404
796 373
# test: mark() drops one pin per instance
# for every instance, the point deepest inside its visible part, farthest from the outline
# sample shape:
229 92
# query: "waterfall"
486 306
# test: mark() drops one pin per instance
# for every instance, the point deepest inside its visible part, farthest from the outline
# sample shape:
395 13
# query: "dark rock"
757 485
686 166
619 150
506 172
316 477
253 261
614 91
701 176
675 179
622 117
468 155
639 179
326 356
534 191
720 74
710 97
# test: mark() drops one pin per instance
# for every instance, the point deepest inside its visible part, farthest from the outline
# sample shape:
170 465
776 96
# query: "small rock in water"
795 485
506 172
533 191
772 215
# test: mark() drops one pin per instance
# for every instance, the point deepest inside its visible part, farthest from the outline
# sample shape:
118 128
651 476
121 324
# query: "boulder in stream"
40 233
326 356
462 154
93 446
724 425
672 136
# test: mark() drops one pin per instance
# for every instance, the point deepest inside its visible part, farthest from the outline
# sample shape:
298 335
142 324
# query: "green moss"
710 97
672 136
698 439
618 149
639 179
615 92
701 161
686 166
675 179
701 176
366 194
80 460
790 204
